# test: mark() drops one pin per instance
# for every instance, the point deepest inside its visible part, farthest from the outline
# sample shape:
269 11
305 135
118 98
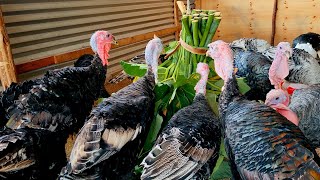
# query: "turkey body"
309 39
114 133
261 143
59 104
305 103
254 67
26 153
303 67
188 147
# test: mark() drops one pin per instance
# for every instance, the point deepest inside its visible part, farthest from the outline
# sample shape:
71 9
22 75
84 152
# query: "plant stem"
213 29
206 32
195 29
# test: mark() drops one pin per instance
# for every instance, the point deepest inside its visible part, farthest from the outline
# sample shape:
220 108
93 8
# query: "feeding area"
149 89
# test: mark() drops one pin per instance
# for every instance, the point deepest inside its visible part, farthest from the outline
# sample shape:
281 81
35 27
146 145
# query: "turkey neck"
230 91
150 76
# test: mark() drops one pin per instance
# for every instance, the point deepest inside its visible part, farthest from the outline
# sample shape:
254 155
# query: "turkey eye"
277 98
280 47
108 35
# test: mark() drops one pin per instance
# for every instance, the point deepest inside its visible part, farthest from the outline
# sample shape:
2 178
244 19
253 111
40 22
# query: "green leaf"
161 90
140 70
222 169
243 87
134 69
183 100
100 100
212 100
138 170
153 132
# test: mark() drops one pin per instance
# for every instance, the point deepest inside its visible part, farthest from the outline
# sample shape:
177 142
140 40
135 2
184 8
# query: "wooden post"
7 67
176 19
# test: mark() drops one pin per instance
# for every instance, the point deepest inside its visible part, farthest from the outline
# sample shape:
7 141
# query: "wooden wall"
254 18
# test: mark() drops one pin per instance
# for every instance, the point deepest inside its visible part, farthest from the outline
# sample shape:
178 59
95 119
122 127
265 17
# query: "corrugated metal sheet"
123 53
42 28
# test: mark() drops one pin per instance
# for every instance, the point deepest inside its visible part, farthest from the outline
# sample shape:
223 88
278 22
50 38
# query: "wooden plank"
36 64
242 18
295 18
60 58
66 4
8 72
94 11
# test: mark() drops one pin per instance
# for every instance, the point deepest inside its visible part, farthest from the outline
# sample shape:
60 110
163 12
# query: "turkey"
303 110
13 92
115 130
304 105
261 144
310 42
25 153
253 44
254 67
304 68
58 104
188 142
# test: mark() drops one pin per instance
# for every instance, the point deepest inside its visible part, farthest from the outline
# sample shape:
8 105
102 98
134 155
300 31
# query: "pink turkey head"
222 54
100 43
279 101
152 53
279 68
277 96
203 70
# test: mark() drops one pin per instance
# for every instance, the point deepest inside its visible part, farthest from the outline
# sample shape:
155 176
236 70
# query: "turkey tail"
15 151
174 158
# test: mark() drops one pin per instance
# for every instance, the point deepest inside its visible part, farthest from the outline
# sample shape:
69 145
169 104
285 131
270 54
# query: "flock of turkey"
276 139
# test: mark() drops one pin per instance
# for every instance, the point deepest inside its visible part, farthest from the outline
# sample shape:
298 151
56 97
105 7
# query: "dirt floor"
111 88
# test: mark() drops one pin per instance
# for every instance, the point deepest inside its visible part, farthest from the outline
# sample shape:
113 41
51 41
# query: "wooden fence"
274 21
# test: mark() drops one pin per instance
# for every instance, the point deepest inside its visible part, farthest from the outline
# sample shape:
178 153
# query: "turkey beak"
289 53
267 102
114 41
207 54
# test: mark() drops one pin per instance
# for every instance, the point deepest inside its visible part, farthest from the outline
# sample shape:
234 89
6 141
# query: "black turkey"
254 67
109 142
86 60
310 42
190 141
59 103
261 144
13 92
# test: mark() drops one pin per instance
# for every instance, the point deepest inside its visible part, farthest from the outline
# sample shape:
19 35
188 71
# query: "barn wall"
254 18
39 29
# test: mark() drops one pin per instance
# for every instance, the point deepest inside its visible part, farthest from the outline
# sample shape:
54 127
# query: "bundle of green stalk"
198 29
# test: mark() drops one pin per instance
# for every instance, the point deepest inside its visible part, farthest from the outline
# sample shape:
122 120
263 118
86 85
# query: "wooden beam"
197 4
65 57
176 18
7 67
